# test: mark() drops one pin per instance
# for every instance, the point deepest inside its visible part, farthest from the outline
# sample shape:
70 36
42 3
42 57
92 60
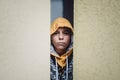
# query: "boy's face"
61 39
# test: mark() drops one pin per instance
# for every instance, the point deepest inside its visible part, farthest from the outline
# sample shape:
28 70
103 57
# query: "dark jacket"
62 72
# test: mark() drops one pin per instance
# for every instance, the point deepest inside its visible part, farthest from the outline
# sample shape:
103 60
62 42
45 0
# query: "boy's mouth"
61 43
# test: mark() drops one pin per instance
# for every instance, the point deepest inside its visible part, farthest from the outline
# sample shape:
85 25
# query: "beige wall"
24 39
97 40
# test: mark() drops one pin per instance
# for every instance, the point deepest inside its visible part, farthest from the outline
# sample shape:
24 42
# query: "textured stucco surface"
97 40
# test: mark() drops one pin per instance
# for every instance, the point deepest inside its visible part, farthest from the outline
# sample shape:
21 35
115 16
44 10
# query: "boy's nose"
61 36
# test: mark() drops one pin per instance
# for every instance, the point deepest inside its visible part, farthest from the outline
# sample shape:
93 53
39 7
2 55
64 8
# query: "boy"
61 52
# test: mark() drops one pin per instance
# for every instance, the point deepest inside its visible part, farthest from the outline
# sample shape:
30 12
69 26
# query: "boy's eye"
66 32
55 33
